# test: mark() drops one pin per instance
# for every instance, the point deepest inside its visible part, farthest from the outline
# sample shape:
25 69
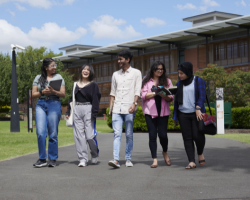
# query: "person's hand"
67 117
199 115
46 91
176 123
52 90
132 108
164 96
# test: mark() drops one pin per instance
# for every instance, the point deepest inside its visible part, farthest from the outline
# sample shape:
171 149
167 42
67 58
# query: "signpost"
29 111
220 111
14 117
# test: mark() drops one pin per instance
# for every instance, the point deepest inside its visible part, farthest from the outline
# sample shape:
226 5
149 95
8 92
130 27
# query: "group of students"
126 87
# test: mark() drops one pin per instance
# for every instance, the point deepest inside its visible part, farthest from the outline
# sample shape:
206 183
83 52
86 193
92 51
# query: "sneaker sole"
51 165
42 165
113 165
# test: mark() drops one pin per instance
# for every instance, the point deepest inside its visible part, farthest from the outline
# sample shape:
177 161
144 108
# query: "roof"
78 46
176 36
210 14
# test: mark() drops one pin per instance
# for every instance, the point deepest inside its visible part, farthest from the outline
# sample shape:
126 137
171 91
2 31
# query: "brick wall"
191 56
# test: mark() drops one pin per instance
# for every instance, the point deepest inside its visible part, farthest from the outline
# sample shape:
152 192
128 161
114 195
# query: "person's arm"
60 93
175 108
96 96
112 94
37 94
201 98
138 83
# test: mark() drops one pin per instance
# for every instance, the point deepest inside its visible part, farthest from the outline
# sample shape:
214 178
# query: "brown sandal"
167 162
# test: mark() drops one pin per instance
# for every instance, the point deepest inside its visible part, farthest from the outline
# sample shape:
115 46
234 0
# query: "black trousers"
190 134
159 124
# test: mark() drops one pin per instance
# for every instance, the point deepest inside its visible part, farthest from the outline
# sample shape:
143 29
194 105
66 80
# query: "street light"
14 121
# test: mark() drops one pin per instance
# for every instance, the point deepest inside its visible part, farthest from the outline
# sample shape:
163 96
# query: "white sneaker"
82 164
114 163
129 163
94 160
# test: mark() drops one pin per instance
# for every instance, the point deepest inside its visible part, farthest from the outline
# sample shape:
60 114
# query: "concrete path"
226 174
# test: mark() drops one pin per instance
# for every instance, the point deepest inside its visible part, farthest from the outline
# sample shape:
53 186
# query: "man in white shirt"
125 91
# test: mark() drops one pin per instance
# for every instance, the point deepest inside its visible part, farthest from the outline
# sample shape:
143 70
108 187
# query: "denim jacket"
200 96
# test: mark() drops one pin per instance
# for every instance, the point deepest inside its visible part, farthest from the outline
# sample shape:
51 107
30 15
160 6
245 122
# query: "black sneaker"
40 163
52 163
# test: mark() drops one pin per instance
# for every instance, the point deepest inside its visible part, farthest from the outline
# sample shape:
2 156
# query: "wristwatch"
135 103
153 93
197 108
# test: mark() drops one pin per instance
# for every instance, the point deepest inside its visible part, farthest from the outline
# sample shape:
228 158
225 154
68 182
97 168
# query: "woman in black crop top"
87 96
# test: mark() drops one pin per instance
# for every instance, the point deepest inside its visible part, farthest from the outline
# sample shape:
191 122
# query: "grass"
16 144
236 136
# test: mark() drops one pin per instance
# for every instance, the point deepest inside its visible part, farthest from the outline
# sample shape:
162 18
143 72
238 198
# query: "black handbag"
209 129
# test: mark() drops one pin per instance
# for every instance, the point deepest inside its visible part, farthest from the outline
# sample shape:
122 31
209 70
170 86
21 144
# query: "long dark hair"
150 74
43 78
91 72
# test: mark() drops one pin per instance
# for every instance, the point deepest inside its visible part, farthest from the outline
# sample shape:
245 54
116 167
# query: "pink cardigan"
149 106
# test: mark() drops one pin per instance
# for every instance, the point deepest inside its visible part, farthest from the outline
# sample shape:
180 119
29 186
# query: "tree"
29 64
236 84
5 79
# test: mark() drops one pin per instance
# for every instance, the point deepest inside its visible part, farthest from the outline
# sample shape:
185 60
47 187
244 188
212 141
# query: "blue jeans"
117 122
48 114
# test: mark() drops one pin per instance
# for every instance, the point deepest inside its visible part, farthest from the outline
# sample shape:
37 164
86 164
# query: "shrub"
140 122
4 109
241 117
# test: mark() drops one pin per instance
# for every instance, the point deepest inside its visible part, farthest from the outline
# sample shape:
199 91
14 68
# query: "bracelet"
196 108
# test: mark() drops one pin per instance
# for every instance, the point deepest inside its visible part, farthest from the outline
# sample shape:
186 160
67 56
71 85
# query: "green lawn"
16 144
236 136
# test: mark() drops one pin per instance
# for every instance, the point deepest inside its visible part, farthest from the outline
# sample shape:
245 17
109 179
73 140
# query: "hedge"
140 123
241 117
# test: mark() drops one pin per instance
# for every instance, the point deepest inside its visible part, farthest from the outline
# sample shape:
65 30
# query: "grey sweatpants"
84 132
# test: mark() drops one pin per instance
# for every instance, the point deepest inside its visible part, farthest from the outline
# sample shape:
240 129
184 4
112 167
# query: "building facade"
215 38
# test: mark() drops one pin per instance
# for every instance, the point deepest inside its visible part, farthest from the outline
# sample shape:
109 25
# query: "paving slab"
226 174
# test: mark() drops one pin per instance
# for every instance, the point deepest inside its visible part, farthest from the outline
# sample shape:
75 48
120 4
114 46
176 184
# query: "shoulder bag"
208 124
69 121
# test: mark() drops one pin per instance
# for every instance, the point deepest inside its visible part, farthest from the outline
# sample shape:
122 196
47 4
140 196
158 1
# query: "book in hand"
56 84
166 91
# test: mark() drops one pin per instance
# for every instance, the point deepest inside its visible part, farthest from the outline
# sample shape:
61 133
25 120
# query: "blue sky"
58 23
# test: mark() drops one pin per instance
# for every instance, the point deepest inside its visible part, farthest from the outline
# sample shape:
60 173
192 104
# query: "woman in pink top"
156 109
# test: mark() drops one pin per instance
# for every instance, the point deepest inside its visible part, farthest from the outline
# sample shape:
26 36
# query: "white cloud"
107 27
188 6
46 4
151 22
54 33
243 3
19 7
48 35
210 3
203 8
12 13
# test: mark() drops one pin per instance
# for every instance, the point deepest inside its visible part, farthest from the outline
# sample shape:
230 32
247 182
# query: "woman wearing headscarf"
188 110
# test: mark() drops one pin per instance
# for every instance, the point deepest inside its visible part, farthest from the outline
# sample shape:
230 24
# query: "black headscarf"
186 68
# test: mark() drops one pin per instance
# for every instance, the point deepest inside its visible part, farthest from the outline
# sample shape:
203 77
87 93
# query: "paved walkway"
226 174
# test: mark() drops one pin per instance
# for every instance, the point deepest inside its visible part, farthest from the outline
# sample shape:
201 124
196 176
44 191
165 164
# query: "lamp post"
14 122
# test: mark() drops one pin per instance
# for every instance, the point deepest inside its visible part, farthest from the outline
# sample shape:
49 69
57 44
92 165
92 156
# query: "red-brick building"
215 37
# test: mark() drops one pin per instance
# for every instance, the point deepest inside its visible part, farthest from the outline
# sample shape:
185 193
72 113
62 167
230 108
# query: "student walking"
48 112
125 91
156 109
87 96
188 110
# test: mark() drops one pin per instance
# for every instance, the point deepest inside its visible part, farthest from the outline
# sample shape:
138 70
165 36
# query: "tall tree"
5 79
